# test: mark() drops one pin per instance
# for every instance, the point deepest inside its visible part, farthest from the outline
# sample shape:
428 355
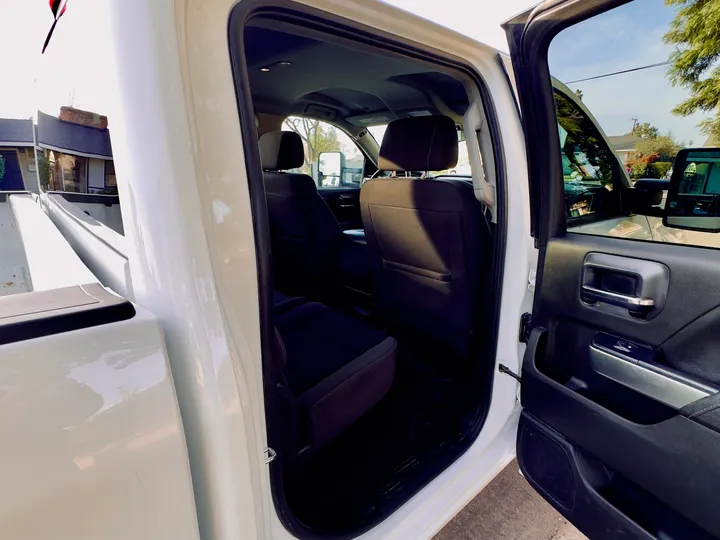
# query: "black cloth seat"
283 302
336 367
304 233
428 238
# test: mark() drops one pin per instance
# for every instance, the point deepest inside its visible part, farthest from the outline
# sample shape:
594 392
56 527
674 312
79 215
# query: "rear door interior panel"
620 429
661 442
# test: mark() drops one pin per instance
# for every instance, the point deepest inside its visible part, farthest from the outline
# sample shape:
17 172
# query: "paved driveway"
509 509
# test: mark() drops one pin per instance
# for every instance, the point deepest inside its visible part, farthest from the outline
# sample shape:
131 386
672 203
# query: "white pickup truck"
228 350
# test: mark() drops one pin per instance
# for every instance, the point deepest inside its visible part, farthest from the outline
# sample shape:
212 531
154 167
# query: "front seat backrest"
428 238
304 232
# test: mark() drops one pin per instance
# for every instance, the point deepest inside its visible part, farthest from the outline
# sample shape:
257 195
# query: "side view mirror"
693 199
331 165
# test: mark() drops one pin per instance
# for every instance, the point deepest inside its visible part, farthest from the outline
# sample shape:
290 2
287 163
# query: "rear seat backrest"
428 238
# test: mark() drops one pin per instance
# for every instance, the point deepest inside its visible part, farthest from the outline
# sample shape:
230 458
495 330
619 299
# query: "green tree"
44 172
646 131
711 128
694 33
316 135
664 147
653 156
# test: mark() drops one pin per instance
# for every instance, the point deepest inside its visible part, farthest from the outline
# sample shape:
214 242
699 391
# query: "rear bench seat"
335 366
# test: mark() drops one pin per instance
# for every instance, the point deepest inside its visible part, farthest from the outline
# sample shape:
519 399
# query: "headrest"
281 150
422 143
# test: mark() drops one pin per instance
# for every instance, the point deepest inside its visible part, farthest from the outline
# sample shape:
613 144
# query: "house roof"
16 131
56 134
624 142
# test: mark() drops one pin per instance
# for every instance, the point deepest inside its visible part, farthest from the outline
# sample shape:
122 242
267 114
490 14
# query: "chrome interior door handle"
631 303
613 284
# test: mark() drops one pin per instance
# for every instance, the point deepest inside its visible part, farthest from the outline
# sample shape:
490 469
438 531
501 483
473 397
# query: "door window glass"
626 104
588 165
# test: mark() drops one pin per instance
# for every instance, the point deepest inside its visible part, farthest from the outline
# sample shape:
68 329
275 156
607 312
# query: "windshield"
463 162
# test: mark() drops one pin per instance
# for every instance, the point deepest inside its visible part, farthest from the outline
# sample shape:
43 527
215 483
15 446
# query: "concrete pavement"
509 509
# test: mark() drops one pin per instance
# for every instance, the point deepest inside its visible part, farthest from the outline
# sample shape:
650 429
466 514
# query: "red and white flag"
58 9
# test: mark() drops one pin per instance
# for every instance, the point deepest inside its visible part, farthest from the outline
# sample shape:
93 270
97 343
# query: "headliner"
338 83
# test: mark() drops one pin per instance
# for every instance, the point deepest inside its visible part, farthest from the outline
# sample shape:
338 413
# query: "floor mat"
374 464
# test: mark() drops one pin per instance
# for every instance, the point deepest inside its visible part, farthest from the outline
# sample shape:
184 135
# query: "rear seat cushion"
284 303
345 396
336 366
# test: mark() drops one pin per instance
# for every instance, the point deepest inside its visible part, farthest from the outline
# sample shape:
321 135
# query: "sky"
624 38
25 23
23 26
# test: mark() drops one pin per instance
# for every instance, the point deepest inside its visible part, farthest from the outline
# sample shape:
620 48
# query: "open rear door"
620 429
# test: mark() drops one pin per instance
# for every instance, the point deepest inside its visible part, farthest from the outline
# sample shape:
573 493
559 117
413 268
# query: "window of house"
30 159
49 176
72 172
332 159
110 179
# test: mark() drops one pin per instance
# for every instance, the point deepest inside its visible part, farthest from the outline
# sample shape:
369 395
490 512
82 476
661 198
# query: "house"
18 155
624 145
76 152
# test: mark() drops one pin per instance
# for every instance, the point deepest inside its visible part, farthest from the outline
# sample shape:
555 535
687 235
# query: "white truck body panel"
93 444
14 272
101 248
35 256
177 138
108 215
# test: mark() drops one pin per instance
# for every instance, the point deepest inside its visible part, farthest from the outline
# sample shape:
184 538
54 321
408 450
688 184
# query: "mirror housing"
331 163
693 199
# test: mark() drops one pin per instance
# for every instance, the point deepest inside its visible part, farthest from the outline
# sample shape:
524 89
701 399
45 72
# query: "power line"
620 72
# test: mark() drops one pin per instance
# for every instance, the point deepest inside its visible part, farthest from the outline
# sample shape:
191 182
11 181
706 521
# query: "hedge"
652 170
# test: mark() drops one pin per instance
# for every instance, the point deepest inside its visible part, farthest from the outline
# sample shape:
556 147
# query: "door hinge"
525 327
270 455
507 371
